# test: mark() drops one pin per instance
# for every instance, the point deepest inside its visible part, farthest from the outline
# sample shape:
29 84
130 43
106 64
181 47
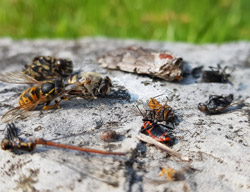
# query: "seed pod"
109 136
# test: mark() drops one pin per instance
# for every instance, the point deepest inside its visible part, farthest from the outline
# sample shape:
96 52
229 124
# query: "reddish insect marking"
166 56
152 130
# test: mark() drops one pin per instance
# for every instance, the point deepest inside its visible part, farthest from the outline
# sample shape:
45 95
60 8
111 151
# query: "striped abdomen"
46 68
29 97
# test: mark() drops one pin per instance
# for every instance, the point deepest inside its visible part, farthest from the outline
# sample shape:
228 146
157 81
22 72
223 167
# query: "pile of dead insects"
54 80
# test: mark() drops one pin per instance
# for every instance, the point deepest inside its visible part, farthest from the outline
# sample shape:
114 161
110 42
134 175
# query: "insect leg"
47 107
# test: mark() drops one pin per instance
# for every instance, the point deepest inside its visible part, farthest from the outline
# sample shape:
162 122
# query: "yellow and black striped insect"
43 93
48 68
89 84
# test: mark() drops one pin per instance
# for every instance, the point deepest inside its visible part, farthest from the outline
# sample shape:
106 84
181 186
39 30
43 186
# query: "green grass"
183 20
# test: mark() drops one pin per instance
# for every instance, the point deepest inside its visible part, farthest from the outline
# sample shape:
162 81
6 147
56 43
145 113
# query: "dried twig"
163 147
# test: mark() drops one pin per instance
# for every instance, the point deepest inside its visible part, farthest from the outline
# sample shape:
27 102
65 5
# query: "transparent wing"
18 78
18 113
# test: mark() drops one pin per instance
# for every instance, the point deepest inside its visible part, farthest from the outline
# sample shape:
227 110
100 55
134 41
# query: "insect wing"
20 112
18 78
11 132
17 114
153 104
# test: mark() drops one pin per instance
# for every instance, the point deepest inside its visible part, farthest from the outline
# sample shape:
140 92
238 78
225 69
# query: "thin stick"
157 96
64 146
163 147
139 110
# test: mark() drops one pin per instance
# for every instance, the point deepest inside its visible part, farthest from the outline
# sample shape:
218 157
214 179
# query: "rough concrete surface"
218 145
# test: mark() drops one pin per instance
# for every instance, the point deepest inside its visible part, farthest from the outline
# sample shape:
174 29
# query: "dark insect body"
156 131
12 142
89 84
216 74
216 104
159 113
47 68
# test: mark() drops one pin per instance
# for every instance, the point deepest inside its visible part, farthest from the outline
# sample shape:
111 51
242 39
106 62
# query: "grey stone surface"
218 145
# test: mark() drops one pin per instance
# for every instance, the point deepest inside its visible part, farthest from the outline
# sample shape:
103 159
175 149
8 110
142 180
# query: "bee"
43 93
216 104
47 68
89 84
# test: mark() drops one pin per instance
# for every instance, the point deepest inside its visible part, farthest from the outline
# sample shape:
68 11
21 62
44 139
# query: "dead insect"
43 93
109 136
197 72
157 131
172 174
160 112
47 68
216 74
144 61
11 141
216 104
89 84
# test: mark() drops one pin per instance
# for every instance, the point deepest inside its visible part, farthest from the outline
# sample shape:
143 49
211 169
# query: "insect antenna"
157 96
140 111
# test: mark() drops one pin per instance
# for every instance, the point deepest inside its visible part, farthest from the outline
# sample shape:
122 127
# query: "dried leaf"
163 65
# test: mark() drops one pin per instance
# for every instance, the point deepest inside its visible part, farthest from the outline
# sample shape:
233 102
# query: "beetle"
157 131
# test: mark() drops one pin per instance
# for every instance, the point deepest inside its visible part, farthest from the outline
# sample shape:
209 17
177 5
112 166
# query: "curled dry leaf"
163 65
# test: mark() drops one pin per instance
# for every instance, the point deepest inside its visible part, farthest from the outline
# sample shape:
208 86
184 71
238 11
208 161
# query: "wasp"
43 93
216 104
89 84
216 74
157 131
11 141
47 68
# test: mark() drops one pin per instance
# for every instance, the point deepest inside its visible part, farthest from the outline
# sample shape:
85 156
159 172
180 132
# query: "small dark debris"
98 124
146 82
38 128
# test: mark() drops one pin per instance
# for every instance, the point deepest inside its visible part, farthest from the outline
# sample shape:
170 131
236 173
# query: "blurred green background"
173 20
